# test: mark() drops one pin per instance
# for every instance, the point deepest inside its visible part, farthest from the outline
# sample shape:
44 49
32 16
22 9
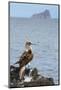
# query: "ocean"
44 33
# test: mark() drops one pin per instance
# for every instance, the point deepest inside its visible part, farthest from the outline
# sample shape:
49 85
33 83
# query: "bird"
25 58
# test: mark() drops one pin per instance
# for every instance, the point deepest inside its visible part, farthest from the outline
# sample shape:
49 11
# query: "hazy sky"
27 10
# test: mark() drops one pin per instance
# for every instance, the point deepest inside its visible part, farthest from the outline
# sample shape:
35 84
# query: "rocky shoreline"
36 79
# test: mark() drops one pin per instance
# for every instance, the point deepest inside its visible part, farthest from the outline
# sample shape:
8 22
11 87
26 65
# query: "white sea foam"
27 78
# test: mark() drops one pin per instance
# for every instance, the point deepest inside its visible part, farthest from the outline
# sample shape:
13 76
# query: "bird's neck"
27 49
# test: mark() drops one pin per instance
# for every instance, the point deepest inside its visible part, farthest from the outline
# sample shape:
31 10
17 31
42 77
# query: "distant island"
43 15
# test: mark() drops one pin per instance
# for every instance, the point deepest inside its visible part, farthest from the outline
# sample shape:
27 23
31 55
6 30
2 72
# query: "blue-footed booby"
25 58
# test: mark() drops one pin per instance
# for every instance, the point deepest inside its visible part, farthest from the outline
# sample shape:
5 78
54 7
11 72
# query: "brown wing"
21 58
25 58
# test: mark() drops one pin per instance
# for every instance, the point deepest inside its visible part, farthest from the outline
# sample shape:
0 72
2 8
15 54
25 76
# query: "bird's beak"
33 44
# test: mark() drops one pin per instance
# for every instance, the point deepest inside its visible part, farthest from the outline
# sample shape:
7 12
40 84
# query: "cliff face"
42 15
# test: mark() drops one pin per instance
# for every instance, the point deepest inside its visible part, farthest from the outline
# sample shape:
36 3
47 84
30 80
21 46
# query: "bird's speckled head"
28 45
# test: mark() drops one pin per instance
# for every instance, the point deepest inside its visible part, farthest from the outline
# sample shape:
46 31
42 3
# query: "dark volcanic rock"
37 80
42 15
14 75
41 82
